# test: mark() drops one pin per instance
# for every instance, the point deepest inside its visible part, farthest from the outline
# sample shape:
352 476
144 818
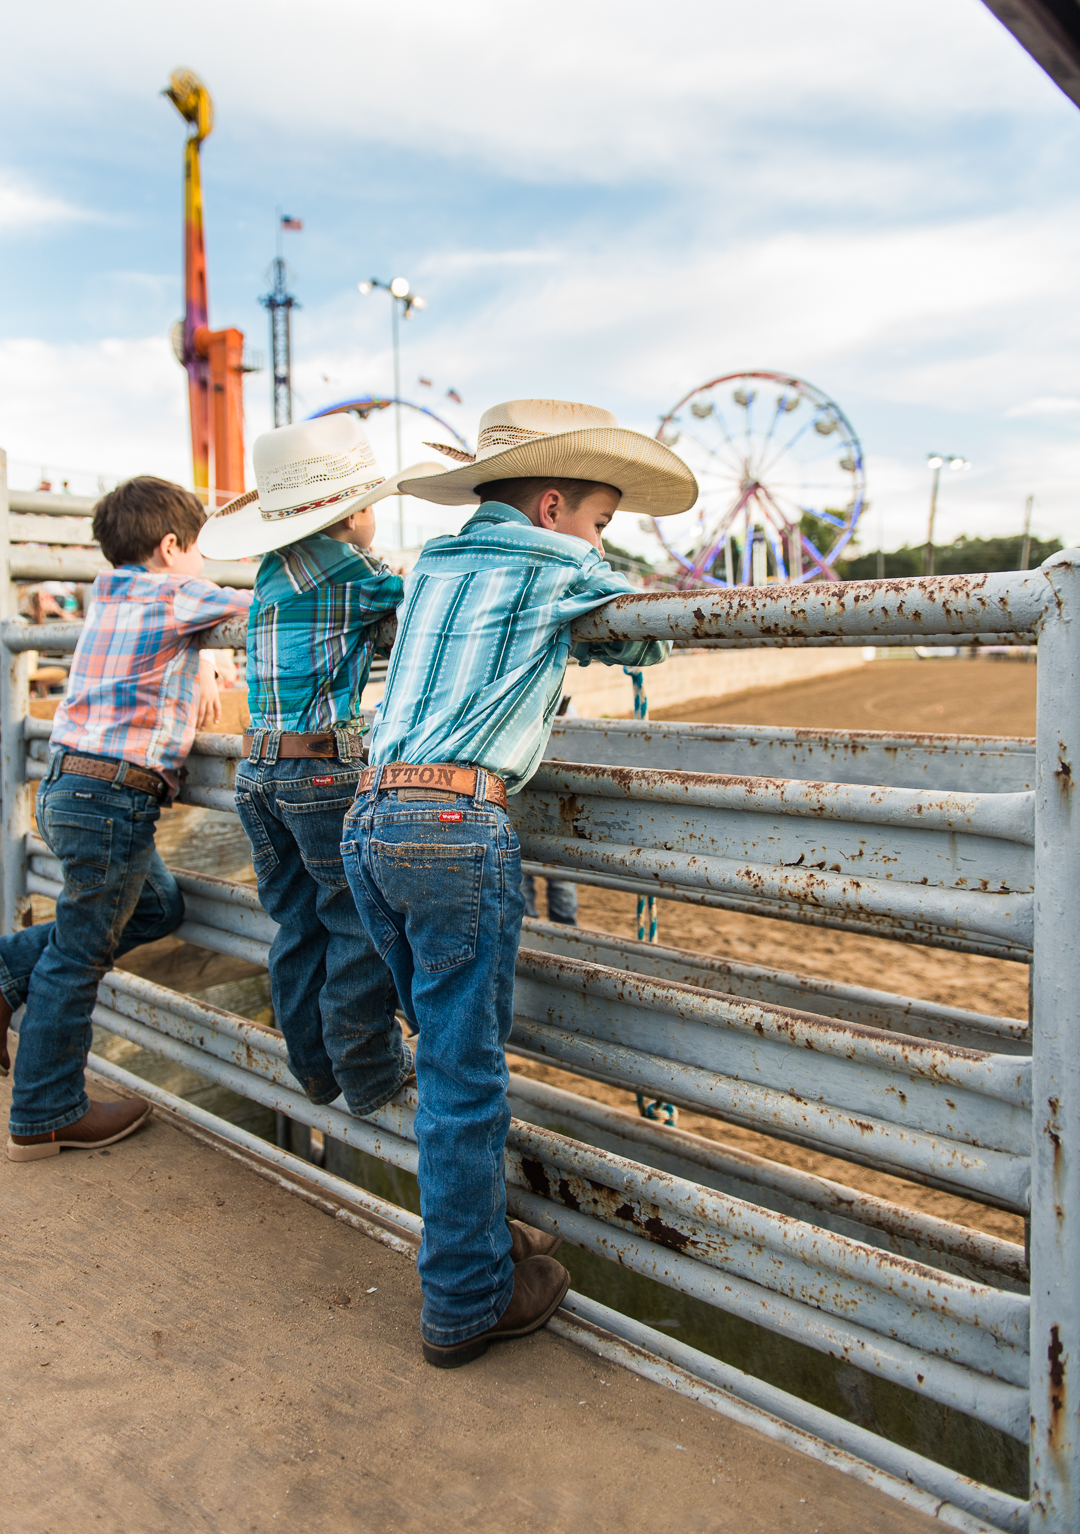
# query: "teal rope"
649 1108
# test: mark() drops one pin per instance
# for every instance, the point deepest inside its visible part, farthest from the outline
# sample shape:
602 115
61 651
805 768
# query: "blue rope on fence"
649 1108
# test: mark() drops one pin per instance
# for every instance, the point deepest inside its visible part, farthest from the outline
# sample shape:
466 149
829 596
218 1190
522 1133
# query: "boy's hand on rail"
209 697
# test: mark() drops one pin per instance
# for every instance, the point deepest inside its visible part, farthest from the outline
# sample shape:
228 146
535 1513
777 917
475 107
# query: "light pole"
937 462
400 294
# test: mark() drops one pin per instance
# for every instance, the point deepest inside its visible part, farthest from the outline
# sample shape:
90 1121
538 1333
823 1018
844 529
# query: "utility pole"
928 561
281 303
401 295
1025 548
936 462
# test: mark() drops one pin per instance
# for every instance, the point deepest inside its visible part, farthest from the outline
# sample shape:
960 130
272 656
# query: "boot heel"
32 1152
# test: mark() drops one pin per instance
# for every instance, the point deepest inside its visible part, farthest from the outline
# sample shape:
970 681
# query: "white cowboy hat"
307 478
522 438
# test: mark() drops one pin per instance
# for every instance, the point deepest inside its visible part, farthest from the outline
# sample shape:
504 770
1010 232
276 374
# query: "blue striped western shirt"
483 641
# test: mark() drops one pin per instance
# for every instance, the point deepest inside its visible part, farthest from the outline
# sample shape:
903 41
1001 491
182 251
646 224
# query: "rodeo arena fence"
963 843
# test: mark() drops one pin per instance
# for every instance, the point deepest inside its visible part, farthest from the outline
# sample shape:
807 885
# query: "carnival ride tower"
214 359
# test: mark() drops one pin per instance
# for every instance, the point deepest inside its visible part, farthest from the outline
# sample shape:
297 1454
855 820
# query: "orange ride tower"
213 358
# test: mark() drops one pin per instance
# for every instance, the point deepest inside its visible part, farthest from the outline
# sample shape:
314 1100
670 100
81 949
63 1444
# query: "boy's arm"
601 582
378 591
200 604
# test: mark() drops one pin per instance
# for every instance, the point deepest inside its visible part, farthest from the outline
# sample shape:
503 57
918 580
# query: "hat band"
494 438
327 500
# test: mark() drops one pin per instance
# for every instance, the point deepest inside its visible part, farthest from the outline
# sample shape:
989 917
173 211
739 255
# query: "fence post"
14 707
1055 1193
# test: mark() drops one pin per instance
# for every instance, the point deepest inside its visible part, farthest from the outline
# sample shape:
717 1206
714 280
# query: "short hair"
130 521
519 492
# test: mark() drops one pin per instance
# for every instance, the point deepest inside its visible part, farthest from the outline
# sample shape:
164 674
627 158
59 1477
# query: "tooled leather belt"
322 747
142 778
442 777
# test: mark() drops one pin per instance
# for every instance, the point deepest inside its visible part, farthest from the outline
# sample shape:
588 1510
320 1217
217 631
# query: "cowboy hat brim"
653 481
238 530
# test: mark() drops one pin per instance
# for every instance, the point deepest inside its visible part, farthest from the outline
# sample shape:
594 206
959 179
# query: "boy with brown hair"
119 740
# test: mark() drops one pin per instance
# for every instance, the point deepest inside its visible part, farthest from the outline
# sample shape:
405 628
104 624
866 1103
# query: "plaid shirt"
483 640
133 691
310 636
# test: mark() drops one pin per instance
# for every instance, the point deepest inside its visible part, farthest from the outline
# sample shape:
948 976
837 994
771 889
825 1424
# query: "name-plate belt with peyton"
445 776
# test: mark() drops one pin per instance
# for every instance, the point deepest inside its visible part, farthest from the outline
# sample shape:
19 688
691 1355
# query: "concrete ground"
188 1347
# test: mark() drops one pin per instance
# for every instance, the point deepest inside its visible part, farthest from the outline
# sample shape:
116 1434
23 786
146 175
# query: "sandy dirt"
958 697
187 1347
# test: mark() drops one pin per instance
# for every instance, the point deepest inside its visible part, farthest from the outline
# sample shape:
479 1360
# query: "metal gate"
961 843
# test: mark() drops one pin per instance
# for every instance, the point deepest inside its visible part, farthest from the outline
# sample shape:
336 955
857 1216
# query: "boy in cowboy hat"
476 675
318 598
138 687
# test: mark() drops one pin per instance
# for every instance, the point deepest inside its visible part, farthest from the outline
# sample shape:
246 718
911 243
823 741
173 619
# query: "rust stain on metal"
536 1175
1055 1354
1063 772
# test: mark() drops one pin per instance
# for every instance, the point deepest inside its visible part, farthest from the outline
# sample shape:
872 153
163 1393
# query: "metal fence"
960 843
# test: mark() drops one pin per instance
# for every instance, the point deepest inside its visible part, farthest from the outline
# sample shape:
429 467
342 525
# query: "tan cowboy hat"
522 438
307 477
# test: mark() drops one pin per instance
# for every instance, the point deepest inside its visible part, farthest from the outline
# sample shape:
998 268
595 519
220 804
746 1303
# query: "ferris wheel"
781 476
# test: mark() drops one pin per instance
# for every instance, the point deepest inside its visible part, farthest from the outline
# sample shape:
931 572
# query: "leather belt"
142 778
442 777
321 747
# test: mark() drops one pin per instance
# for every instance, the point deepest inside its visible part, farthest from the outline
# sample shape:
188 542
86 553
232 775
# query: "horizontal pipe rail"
951 604
973 642
1006 817
1007 602
884 906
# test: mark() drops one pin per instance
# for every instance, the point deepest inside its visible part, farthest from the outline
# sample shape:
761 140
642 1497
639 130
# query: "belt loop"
257 738
480 791
120 776
273 745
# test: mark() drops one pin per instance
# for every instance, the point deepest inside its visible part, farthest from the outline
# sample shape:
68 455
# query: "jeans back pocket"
436 887
82 843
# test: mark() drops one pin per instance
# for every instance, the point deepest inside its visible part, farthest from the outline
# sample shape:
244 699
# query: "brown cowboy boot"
102 1124
540 1285
526 1241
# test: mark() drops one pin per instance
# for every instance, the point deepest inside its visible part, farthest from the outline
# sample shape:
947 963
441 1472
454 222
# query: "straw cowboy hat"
523 438
307 478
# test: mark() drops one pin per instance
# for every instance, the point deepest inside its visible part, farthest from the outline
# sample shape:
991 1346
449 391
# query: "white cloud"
1046 404
595 92
24 206
111 408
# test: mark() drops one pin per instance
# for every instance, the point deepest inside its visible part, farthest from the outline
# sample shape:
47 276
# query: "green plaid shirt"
310 633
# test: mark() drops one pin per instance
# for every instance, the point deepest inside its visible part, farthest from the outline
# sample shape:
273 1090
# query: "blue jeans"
117 894
438 884
333 997
561 899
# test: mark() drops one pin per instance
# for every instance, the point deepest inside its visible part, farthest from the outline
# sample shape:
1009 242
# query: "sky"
604 202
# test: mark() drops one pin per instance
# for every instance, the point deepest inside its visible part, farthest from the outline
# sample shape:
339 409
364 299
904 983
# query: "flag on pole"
291 223
454 395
